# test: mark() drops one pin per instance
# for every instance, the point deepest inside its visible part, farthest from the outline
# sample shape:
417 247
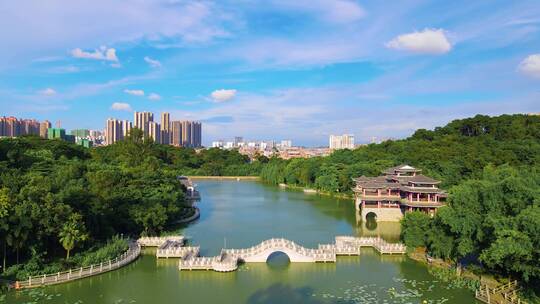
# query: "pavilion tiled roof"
381 182
422 190
422 179
401 168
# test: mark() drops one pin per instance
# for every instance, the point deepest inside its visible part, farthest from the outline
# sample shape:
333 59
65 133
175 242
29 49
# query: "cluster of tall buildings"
345 141
178 133
14 127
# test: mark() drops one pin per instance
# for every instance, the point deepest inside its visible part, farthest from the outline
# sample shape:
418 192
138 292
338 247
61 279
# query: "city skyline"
183 133
300 70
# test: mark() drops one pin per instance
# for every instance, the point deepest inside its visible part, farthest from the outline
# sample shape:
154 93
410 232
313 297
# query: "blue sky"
274 69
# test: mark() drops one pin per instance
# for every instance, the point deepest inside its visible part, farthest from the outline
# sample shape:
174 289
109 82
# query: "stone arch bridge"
229 259
295 252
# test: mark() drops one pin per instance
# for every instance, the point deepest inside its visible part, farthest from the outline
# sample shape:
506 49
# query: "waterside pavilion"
400 189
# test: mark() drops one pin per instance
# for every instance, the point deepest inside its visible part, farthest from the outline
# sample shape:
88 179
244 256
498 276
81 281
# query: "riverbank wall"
191 218
315 191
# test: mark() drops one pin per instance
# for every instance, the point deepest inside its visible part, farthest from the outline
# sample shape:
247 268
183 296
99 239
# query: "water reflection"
282 293
389 231
278 261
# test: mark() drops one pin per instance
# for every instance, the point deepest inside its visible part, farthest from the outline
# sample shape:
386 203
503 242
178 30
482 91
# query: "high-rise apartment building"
176 133
3 127
7 126
187 133
166 128
154 131
56 133
345 141
196 134
141 121
126 128
114 131
13 127
43 127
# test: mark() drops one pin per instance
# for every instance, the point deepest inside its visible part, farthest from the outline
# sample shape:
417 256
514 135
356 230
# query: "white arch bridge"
229 259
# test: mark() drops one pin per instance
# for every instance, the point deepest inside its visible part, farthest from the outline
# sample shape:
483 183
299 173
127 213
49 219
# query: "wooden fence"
502 294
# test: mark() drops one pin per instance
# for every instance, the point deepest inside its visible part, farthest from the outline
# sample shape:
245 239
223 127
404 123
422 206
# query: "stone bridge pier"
382 214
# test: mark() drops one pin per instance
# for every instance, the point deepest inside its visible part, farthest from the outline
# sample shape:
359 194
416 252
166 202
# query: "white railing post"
101 267
43 280
30 281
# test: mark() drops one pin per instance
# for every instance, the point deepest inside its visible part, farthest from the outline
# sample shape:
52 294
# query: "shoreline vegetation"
193 214
95 255
317 192
74 198
238 177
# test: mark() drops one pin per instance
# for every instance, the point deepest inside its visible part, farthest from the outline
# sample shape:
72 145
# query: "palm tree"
72 232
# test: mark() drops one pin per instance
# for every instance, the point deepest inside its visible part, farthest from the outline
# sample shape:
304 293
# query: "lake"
238 214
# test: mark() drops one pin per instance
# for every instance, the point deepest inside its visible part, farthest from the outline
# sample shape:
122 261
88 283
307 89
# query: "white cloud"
223 95
61 25
152 62
277 52
121 106
47 92
64 69
335 11
428 41
531 65
154 97
134 92
103 53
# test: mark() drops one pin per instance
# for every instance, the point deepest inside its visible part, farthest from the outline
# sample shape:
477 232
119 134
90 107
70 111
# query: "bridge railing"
77 273
156 241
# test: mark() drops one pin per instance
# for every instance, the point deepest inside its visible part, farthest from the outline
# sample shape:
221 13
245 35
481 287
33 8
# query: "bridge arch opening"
371 221
278 260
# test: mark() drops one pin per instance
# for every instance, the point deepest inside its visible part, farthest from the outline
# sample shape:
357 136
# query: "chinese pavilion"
400 189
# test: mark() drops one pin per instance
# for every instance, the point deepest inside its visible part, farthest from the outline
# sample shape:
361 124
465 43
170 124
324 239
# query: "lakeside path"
133 252
190 219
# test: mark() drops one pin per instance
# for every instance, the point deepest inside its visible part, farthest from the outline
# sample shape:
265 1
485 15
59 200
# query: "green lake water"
242 214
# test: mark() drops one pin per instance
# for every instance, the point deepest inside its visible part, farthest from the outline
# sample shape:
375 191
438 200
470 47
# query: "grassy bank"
470 276
38 265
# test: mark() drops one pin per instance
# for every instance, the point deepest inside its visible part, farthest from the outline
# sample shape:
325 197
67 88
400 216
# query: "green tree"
414 229
5 205
72 232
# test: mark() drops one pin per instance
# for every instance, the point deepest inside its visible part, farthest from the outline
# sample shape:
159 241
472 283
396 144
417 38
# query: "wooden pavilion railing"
502 294
127 257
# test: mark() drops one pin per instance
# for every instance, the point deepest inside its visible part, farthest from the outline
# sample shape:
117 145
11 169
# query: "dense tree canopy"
56 196
495 219
453 154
